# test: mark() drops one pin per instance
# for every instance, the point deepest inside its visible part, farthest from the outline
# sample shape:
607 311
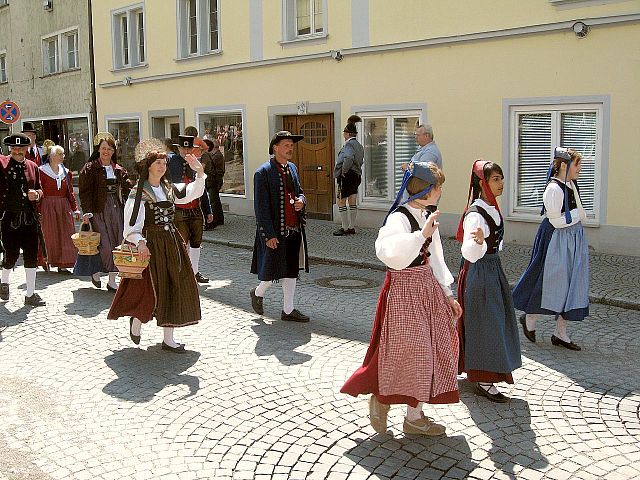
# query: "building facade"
496 81
45 69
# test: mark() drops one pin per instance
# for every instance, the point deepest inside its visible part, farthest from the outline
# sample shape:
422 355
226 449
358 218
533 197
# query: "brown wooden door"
313 156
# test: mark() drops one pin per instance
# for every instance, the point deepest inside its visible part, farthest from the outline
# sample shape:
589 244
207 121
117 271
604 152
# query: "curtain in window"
534 155
578 131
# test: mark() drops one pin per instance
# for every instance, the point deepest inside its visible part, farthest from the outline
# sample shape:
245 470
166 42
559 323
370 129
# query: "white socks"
168 337
112 280
288 289
5 275
414 414
30 273
136 327
194 256
344 216
353 213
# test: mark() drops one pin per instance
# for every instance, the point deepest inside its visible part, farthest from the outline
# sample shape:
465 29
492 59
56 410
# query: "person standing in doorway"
348 174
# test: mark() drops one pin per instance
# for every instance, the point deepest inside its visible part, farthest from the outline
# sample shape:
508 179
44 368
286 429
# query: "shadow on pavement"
89 302
411 456
280 339
142 374
11 319
513 442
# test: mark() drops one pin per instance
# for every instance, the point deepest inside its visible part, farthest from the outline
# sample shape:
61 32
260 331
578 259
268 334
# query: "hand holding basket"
127 260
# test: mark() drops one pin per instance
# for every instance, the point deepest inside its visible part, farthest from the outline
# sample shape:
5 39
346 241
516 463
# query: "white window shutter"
533 157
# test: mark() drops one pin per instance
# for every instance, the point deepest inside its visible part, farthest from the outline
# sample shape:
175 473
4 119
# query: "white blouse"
553 199
397 246
110 173
133 233
471 250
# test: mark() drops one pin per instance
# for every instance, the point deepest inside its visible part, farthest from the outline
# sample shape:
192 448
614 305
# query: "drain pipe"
92 69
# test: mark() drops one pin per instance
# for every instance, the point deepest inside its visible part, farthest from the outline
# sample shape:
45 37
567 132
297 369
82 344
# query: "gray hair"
428 129
56 149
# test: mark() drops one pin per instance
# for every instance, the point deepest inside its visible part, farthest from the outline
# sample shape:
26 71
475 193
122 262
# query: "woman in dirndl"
168 289
556 282
490 347
413 354
58 210
103 187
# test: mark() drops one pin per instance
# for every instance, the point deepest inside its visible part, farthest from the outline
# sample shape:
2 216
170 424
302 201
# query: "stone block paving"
259 398
615 279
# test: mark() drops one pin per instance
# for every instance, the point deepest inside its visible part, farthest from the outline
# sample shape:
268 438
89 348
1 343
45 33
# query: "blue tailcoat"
268 204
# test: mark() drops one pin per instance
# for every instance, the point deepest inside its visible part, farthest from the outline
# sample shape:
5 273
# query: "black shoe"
112 289
256 302
351 231
178 349
294 316
63 271
34 301
134 338
340 232
4 291
530 334
201 278
570 345
96 283
494 397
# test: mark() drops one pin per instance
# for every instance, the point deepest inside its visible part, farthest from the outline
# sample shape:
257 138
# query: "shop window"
127 135
128 36
198 27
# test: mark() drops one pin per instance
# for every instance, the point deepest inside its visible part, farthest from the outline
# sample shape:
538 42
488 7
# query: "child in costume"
412 357
556 282
489 331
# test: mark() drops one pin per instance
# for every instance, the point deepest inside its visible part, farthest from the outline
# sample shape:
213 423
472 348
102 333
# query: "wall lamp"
336 55
580 29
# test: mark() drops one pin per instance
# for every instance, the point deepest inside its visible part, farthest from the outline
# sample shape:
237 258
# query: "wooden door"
314 157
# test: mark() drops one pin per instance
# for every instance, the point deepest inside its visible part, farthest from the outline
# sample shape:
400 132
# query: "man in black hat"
189 218
34 153
348 174
280 240
19 193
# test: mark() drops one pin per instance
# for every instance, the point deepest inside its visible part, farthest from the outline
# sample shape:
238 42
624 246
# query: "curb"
612 302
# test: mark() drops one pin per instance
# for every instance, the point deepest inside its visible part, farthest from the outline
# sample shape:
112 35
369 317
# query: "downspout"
92 69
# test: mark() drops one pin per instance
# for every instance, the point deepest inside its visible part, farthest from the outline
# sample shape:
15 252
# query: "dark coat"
268 204
31 172
92 186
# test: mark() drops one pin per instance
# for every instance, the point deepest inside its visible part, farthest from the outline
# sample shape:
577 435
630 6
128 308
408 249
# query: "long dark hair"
489 169
96 150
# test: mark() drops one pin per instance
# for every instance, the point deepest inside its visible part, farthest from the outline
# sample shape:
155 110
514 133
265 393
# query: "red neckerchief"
192 204
290 216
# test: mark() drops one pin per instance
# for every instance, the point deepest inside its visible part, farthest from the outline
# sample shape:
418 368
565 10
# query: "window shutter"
533 157
578 131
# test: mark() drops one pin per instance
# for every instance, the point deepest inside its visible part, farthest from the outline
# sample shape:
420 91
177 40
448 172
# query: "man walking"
280 241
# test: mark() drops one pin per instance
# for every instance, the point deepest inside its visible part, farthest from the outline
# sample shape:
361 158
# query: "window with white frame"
60 52
128 37
388 140
536 130
50 55
70 46
304 19
3 67
4 2
198 27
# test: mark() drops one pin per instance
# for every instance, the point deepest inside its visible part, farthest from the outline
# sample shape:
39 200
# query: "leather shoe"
112 289
96 283
134 338
4 291
351 231
201 278
340 232
530 334
570 345
63 271
34 300
294 316
256 302
494 397
178 349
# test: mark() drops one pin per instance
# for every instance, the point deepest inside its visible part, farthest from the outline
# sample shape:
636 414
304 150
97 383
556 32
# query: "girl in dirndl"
413 354
489 343
556 282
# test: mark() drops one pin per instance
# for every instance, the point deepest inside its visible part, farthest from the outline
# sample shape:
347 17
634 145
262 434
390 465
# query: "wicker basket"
86 242
127 260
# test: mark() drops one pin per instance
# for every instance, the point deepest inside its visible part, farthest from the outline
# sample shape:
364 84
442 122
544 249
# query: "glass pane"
213 24
193 28
141 56
125 41
317 16
404 143
71 51
127 135
303 17
534 155
226 128
375 157
578 131
78 147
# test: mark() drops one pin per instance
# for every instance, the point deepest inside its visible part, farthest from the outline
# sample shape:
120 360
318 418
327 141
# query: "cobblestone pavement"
615 279
256 397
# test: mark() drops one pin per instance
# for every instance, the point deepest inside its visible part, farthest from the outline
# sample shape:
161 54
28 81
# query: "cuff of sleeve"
135 238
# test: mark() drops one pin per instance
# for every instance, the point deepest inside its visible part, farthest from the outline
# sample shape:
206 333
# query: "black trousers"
24 237
216 206
190 224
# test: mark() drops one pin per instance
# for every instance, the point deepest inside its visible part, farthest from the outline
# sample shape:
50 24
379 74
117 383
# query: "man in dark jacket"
280 240
214 168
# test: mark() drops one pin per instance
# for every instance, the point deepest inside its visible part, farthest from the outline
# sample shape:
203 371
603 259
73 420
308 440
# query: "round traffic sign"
9 112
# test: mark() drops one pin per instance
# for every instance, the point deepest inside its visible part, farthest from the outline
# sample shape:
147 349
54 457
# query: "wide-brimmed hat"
28 127
351 125
283 135
17 140
184 141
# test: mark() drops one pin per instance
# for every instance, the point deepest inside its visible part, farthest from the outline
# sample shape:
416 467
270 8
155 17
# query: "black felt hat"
17 140
185 141
351 124
283 135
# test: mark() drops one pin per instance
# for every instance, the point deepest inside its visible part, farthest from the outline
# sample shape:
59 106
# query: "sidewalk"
615 279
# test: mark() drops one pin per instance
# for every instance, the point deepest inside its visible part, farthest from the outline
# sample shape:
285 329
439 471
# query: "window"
128 34
226 127
198 27
304 19
50 59
388 140
536 130
60 52
127 135
71 45
3 67
4 2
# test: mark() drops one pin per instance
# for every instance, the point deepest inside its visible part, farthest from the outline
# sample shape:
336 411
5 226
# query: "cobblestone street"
256 397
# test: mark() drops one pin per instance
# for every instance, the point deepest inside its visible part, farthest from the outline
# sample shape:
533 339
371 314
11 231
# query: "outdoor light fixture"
580 29
336 55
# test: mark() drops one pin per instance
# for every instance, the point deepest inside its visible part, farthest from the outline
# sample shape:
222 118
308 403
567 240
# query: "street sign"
9 112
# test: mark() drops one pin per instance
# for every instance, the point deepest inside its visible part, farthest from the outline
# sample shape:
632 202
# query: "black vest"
421 259
568 192
496 233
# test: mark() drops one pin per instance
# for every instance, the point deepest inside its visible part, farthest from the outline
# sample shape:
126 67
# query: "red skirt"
57 227
413 352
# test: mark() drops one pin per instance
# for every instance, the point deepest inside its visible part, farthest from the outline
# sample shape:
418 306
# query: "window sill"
305 39
71 70
523 218
212 53
133 67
